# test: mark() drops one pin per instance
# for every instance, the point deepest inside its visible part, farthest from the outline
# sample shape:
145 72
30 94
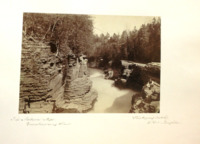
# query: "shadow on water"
121 104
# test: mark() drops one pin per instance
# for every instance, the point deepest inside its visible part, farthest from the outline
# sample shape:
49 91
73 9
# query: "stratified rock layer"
78 93
79 105
38 66
49 83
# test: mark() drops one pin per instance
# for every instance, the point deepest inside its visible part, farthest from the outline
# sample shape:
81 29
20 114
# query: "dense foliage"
75 32
141 45
61 31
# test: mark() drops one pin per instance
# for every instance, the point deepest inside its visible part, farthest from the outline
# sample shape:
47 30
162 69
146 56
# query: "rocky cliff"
78 93
50 83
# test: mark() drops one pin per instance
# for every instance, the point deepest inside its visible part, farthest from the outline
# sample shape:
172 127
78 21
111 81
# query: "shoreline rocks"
148 101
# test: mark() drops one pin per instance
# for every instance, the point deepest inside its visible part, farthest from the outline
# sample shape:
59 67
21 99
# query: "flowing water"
110 98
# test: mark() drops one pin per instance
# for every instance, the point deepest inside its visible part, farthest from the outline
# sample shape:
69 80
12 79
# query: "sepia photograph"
72 63
100 72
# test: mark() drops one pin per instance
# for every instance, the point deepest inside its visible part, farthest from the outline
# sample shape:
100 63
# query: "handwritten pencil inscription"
47 121
156 119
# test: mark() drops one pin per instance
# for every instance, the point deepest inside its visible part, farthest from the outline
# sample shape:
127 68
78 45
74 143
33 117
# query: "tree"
142 45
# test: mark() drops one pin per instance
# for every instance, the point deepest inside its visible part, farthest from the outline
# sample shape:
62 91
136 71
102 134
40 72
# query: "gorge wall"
50 83
78 93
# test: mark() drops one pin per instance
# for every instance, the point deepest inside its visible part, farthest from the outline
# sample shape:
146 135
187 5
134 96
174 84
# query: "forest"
75 33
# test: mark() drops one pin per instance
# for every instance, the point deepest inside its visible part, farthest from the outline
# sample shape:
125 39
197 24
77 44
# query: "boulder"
151 91
148 101
140 106
109 74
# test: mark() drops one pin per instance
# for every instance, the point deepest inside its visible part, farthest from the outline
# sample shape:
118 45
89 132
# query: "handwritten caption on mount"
47 121
158 119
29 121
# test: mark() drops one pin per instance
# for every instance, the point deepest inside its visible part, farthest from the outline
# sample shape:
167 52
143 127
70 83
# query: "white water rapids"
110 99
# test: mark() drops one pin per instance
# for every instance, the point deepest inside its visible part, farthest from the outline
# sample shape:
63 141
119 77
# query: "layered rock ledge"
50 83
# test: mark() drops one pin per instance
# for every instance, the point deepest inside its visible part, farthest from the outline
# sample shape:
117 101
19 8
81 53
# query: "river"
110 98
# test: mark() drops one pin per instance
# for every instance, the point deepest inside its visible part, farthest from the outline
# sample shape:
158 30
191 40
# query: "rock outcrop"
78 93
38 66
153 67
136 75
49 82
144 78
151 91
148 101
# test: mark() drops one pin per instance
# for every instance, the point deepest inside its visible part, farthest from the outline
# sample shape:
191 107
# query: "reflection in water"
110 99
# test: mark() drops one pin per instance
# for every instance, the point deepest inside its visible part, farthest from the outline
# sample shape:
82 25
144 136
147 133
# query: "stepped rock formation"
50 84
78 95
38 67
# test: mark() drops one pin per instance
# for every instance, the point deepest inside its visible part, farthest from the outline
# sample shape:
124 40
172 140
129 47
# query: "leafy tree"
64 32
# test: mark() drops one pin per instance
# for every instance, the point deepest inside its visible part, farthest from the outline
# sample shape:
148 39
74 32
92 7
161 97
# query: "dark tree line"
141 45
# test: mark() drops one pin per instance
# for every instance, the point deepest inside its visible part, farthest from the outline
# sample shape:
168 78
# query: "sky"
117 24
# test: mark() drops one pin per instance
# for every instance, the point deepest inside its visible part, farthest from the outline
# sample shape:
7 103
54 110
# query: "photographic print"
90 64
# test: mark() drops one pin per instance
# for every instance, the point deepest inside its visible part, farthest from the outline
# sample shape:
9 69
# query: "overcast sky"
117 24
